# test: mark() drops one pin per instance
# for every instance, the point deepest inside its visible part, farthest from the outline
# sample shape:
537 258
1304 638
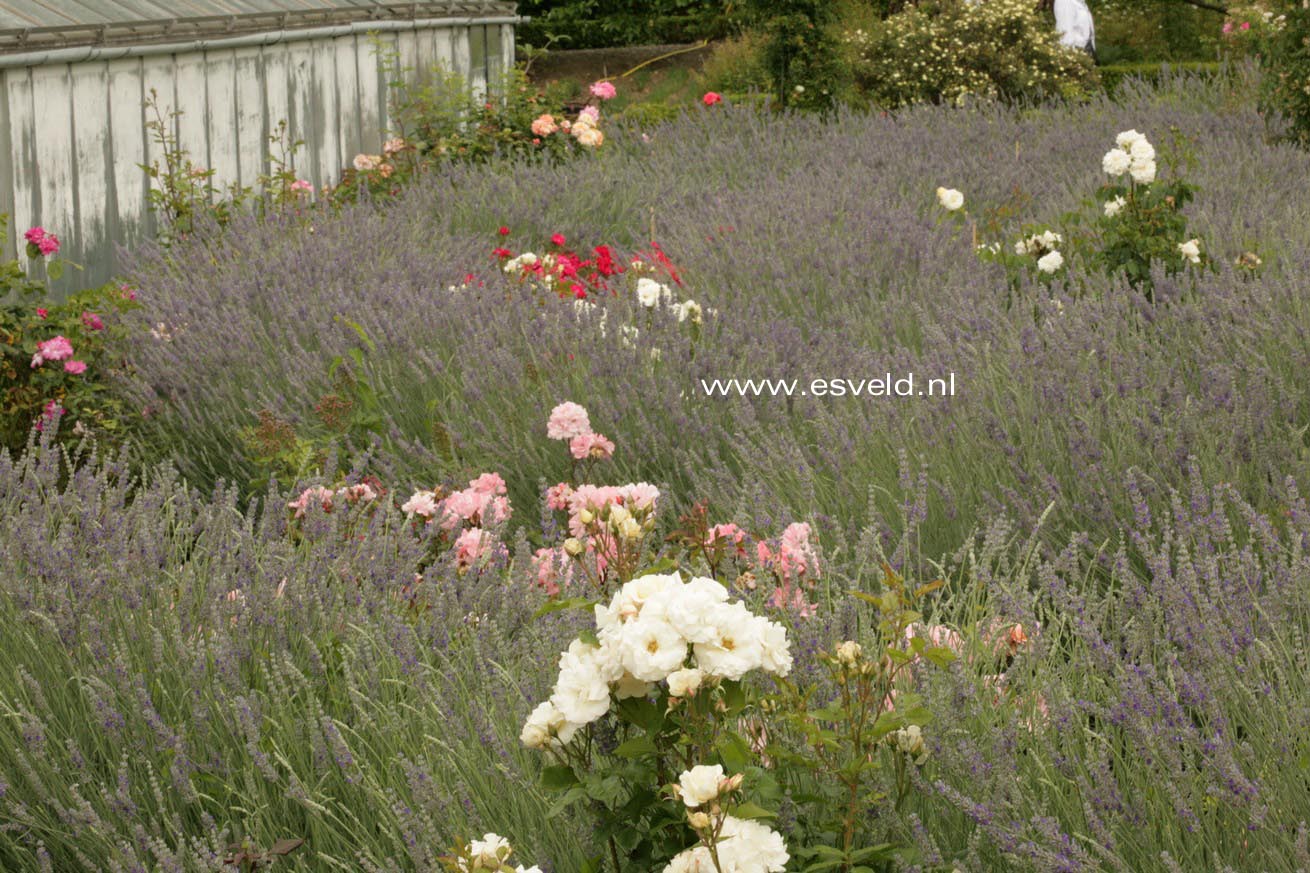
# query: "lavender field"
1057 621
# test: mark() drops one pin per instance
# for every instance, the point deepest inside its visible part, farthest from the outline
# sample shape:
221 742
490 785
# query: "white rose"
1021 247
1191 250
694 860
1050 239
582 691
685 682
950 199
1143 172
1126 139
746 845
699 785
1142 150
776 653
691 610
690 310
1050 262
546 720
648 292
736 648
651 649
1113 207
849 652
1116 162
489 851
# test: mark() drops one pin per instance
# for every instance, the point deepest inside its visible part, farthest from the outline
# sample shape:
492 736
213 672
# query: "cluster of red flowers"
571 275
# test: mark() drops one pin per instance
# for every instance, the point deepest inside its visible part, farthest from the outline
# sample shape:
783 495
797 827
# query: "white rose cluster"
651 294
1133 154
647 634
1038 244
491 853
743 846
1114 207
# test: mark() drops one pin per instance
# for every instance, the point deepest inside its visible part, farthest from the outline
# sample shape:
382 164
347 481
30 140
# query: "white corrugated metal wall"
72 134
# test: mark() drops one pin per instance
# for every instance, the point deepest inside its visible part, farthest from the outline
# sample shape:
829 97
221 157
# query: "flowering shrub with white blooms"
947 52
1138 222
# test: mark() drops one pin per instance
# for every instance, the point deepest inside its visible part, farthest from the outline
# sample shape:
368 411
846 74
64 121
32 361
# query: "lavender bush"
838 267
182 676
1105 521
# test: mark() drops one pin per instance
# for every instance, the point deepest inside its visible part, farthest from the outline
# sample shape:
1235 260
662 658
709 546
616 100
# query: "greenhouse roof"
29 25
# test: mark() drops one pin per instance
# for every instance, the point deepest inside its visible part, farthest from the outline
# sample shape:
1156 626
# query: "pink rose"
557 496
55 349
710 98
603 90
317 494
567 421
41 312
301 185
488 483
77 368
48 244
471 545
591 445
35 235
92 321
422 503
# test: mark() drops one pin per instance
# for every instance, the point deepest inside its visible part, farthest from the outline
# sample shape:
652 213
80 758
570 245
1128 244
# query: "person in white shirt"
1074 21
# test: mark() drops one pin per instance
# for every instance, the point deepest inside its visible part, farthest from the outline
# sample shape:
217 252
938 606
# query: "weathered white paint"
73 137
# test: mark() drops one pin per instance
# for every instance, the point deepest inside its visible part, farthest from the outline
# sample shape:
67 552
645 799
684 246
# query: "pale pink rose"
641 496
567 421
603 90
488 483
391 146
591 445
357 493
55 349
591 113
793 598
557 496
727 536
554 569
422 503
363 163
471 545
301 185
317 494
544 125
77 368
476 507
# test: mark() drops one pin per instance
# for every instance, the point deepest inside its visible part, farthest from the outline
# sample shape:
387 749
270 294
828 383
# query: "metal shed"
75 74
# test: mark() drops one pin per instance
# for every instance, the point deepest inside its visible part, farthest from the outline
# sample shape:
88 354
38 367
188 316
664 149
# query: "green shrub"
55 358
736 66
799 50
604 23
1285 60
1142 31
945 51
